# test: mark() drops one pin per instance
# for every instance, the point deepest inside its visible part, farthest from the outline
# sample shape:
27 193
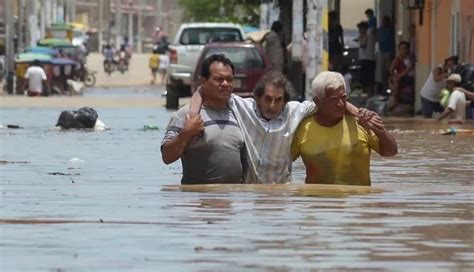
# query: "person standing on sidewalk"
273 46
36 80
154 64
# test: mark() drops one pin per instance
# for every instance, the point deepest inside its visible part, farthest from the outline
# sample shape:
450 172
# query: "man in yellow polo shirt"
336 149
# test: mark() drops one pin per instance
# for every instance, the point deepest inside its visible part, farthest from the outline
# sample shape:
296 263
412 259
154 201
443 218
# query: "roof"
232 44
211 25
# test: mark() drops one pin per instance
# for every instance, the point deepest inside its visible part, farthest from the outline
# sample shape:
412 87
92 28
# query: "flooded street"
89 201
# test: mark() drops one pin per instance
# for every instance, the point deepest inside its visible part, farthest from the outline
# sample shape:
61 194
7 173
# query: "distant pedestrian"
273 46
154 65
366 57
401 74
371 20
336 42
434 84
164 64
36 80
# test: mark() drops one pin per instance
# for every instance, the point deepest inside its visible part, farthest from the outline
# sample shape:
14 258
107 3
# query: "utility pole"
140 26
315 42
42 18
21 24
72 11
101 24
48 15
118 23
10 50
54 12
130 22
158 14
296 48
108 11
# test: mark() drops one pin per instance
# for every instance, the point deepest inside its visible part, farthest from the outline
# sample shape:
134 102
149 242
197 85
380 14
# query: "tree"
235 11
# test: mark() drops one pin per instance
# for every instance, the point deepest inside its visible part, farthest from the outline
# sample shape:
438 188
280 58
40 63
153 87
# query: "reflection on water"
119 207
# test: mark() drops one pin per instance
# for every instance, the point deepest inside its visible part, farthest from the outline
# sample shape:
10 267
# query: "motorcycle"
86 76
122 64
109 66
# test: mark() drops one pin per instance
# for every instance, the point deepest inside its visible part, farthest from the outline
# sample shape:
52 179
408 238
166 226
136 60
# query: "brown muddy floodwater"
104 201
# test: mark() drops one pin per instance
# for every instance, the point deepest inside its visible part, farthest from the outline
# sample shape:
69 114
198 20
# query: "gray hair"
276 79
324 81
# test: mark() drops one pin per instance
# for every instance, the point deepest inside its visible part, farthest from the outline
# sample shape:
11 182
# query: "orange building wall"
423 35
443 31
467 30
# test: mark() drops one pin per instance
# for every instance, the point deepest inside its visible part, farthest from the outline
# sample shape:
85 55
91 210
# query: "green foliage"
235 11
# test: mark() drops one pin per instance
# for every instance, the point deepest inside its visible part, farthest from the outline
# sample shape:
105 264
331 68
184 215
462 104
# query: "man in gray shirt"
216 156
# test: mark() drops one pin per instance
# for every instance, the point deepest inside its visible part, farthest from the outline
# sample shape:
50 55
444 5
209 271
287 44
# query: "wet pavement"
90 201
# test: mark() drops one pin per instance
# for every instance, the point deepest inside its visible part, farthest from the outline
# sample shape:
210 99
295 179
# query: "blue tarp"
42 50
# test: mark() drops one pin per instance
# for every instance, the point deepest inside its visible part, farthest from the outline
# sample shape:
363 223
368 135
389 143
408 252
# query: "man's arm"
469 95
445 113
25 81
172 149
196 102
438 74
387 143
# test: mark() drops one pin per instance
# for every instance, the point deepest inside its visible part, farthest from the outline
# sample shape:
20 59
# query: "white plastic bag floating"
76 160
100 126
76 86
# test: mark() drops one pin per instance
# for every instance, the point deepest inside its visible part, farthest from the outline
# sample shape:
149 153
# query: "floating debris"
14 126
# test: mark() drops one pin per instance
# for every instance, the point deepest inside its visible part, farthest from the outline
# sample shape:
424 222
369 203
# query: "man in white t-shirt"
430 93
456 109
36 79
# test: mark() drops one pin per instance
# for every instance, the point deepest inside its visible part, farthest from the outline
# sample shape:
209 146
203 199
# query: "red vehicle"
250 63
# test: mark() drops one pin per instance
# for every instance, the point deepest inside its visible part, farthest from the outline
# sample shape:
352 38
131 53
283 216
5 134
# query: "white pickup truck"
185 51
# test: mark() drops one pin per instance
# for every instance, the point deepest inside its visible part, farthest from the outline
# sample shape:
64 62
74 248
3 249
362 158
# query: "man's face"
450 64
450 85
219 85
271 102
333 104
403 50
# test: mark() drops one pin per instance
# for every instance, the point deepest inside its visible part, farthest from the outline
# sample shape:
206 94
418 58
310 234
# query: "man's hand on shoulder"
193 125
370 120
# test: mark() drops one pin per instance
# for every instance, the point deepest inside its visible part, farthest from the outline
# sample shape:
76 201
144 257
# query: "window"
243 58
201 36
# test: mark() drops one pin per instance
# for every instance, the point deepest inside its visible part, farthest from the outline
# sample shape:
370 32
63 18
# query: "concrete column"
296 39
21 24
315 42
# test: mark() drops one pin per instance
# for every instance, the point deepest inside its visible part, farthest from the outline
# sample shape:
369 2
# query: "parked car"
250 63
185 50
